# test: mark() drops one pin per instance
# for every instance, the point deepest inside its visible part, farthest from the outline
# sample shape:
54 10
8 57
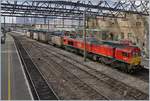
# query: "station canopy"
73 8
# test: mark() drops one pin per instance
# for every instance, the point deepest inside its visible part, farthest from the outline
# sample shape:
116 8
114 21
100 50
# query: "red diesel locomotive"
124 56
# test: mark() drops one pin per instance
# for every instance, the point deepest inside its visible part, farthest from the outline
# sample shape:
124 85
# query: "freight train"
123 56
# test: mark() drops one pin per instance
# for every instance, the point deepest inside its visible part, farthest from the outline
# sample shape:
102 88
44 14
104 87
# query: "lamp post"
48 26
4 22
84 34
12 23
4 27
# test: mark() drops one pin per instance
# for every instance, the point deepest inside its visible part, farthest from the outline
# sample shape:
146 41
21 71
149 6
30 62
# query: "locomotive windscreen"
93 41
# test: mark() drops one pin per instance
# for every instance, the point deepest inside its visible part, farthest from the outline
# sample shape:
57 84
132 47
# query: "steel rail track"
142 74
57 68
117 85
113 83
39 87
71 77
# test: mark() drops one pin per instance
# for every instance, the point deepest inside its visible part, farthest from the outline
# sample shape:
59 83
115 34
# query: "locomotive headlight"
136 54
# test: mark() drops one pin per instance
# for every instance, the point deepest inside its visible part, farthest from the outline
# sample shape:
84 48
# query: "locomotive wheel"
106 61
139 68
95 57
101 60
130 69
75 51
90 55
68 49
65 47
81 52
113 65
123 67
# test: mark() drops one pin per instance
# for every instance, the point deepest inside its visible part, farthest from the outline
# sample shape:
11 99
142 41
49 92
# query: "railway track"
73 80
122 89
142 74
39 87
83 91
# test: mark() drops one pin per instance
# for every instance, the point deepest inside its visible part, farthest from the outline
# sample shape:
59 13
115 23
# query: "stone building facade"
133 27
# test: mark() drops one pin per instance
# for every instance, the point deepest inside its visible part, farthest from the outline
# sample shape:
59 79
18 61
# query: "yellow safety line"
9 78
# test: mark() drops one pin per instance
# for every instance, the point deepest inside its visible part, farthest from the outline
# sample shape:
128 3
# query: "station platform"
14 85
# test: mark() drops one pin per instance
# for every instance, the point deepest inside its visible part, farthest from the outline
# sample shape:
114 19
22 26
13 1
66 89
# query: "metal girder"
47 8
52 17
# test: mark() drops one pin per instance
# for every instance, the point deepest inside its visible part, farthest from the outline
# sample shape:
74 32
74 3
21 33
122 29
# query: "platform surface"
14 82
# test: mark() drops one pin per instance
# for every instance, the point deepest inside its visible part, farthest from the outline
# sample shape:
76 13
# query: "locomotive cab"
129 54
135 57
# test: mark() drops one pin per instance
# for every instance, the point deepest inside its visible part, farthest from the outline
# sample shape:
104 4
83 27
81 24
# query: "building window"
116 37
104 35
122 35
129 35
138 23
124 19
138 17
137 40
111 36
